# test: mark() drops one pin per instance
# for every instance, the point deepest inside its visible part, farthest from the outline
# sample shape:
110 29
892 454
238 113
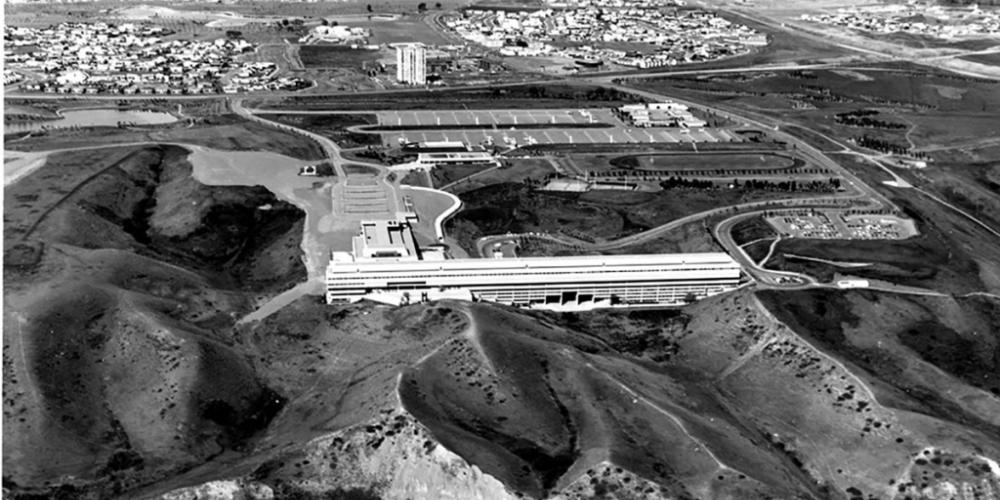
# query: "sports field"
720 161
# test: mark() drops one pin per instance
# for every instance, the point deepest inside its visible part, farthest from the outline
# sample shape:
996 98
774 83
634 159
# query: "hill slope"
119 271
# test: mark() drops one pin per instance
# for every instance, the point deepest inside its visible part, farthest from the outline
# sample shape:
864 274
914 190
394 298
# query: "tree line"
865 118
831 184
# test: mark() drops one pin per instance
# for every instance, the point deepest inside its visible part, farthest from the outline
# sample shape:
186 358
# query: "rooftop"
385 239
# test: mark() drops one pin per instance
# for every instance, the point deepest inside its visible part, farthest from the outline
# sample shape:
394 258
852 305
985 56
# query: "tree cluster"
831 184
864 118
884 146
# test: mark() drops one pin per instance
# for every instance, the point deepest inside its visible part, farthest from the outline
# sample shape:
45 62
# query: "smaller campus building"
459 157
387 266
660 114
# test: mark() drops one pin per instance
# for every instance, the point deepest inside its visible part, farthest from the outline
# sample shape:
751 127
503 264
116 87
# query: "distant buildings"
411 63
916 18
658 36
130 58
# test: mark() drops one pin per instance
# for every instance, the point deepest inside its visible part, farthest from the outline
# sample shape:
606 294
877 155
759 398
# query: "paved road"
878 53
335 156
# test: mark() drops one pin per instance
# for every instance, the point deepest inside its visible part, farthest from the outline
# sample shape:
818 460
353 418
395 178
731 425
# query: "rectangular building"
567 283
411 63
383 239
660 114
464 157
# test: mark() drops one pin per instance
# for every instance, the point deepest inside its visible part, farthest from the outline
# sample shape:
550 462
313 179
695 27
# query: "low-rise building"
660 114
383 267
460 157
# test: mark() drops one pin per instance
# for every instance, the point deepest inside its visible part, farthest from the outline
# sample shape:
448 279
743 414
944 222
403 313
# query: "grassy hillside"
119 271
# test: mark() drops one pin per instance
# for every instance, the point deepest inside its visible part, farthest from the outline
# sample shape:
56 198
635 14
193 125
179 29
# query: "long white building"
558 282
386 265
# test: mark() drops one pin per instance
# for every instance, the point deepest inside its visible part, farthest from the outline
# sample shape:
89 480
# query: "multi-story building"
411 63
568 283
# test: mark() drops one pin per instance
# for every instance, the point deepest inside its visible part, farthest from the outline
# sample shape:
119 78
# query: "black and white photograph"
501 250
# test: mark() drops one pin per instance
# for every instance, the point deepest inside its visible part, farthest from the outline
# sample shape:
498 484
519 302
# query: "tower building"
411 63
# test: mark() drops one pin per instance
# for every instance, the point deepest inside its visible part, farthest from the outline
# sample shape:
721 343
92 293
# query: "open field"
183 107
223 132
531 170
905 87
335 56
403 30
506 97
752 229
758 250
333 126
446 174
416 178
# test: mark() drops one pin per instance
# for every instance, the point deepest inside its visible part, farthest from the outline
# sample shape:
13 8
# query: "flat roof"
443 144
455 154
379 236
719 259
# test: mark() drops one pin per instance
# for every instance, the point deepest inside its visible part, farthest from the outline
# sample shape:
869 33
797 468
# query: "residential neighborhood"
916 18
130 58
637 34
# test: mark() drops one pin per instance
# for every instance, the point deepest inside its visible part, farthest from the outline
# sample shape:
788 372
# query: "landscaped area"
593 216
332 125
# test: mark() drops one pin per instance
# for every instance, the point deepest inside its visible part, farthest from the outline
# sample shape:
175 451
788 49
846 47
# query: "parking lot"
499 117
506 129
835 225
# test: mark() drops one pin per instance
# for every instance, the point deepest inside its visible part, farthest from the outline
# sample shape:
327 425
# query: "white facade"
434 159
411 63
568 283
660 114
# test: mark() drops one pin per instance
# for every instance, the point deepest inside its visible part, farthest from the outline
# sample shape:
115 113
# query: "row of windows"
361 287
647 290
512 272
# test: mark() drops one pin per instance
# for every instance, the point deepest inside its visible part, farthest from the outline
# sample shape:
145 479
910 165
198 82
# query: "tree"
325 22
369 7
422 6
437 5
